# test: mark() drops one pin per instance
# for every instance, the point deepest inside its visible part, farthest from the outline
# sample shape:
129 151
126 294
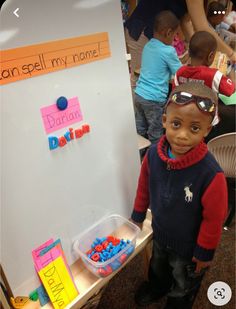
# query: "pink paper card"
42 261
35 252
55 119
55 250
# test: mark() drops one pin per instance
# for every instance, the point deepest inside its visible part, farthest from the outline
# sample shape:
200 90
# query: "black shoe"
146 295
178 303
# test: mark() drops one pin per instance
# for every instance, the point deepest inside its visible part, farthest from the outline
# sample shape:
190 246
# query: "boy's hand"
231 75
139 224
200 264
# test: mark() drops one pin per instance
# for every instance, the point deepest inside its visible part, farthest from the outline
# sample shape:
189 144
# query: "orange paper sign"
28 61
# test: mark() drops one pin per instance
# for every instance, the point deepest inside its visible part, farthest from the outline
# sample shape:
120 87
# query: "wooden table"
143 142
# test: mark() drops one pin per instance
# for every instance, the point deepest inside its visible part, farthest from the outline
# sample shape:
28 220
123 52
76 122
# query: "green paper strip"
228 100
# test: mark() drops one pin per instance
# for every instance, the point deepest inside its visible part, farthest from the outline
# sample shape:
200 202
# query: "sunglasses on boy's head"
204 104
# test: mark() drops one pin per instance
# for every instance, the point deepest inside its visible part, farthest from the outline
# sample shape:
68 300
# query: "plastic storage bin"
116 226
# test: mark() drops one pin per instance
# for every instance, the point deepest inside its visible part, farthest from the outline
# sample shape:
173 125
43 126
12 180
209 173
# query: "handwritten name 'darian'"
61 118
55 119
55 142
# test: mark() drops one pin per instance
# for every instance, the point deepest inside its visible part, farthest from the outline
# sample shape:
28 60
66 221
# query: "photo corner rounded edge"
2 5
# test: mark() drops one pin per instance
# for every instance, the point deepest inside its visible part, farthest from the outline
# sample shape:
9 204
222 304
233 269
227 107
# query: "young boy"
215 16
187 194
159 63
202 49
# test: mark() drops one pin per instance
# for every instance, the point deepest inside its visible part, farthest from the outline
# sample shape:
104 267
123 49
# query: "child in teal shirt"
159 63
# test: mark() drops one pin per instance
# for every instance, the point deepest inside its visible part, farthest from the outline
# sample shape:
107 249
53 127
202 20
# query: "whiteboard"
62 192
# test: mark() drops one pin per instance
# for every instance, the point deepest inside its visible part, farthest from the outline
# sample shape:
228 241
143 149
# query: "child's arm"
179 72
141 202
215 205
173 61
226 86
200 265
231 74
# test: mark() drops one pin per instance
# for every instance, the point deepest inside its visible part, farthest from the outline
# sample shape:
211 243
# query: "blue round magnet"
62 103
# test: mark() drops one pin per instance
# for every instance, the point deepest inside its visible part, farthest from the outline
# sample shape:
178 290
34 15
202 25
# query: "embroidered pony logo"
188 194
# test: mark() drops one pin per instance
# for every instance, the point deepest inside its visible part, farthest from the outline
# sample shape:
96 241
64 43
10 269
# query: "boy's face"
185 126
217 19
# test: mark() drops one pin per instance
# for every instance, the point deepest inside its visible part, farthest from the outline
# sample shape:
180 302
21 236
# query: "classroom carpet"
119 293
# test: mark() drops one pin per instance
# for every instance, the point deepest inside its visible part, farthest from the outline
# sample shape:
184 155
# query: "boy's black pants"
171 274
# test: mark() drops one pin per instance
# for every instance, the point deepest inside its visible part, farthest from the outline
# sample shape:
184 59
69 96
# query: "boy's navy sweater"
187 197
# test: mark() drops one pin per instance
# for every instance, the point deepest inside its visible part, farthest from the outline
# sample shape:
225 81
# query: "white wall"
62 192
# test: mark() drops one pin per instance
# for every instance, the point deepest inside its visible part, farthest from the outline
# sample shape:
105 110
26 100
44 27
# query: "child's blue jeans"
148 118
170 273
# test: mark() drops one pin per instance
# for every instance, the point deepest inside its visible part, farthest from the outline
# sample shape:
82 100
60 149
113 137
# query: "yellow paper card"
58 283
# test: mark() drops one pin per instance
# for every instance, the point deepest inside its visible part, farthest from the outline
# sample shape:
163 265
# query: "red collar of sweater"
190 158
